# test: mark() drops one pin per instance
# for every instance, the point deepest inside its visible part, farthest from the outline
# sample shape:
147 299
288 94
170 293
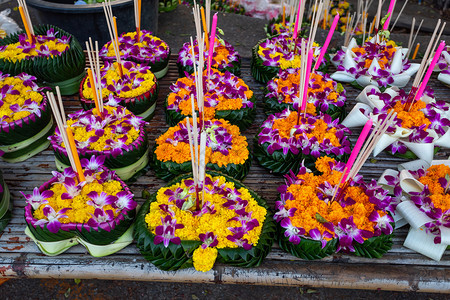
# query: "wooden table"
400 269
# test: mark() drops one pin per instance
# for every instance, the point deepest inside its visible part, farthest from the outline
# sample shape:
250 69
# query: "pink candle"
212 42
308 71
358 145
430 70
391 8
296 21
327 41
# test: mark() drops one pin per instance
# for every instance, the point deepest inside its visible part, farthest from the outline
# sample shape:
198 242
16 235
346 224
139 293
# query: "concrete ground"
243 32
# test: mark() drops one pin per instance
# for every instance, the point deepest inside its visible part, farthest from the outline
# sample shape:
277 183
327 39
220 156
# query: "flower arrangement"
149 50
278 52
47 45
232 225
377 62
118 135
54 56
96 213
421 197
5 204
314 224
285 140
225 58
226 150
324 94
415 132
25 117
442 67
137 89
226 97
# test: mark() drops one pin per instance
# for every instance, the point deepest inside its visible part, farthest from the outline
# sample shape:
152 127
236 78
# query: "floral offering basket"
226 151
97 213
119 136
313 224
232 226
55 57
25 118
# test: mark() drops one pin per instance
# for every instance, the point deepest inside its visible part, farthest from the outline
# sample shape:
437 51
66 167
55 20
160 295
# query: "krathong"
325 94
47 45
226 96
54 56
118 134
226 150
282 143
377 62
96 213
314 224
25 117
278 52
5 206
420 192
149 50
414 133
137 89
232 226
225 58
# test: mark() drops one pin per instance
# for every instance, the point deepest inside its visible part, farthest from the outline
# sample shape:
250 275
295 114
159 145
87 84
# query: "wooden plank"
400 269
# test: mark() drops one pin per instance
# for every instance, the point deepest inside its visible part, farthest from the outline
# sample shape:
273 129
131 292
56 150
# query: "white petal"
397 62
342 76
409 184
423 151
423 243
356 118
384 141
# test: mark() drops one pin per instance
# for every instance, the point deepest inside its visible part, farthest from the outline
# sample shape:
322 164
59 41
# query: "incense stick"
399 14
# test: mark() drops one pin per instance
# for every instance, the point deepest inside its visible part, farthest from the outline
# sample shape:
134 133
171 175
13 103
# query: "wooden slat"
400 269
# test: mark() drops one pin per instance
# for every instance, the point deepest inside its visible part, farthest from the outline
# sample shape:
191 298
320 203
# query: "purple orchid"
165 233
52 221
322 238
36 199
100 218
292 232
208 239
347 232
125 201
100 200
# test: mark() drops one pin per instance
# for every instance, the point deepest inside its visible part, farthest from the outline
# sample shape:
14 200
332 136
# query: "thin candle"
212 43
205 27
25 24
284 16
117 43
430 70
76 158
327 41
308 71
296 21
93 87
390 11
416 50
358 145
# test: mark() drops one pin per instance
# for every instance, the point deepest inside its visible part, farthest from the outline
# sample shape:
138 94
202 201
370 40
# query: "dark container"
85 21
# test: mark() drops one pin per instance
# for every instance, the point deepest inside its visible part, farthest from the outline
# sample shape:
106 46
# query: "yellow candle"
91 80
373 25
284 15
415 51
117 43
25 23
204 27
76 158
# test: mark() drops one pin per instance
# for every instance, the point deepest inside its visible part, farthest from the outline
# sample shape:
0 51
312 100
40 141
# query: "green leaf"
307 248
375 247
320 218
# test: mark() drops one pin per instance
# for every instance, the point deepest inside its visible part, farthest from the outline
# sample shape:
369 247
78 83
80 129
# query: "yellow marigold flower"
204 259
